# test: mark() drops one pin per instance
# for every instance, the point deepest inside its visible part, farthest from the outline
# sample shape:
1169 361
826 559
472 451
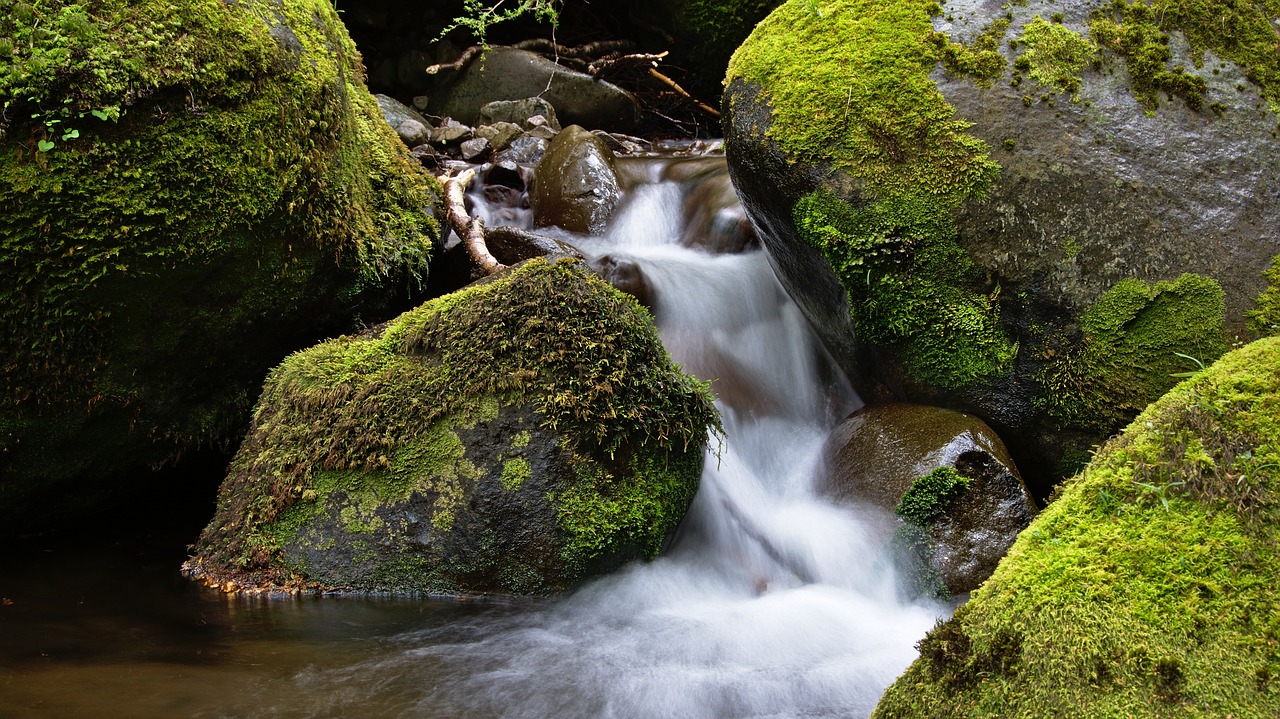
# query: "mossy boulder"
189 192
514 437
945 474
1148 588
955 197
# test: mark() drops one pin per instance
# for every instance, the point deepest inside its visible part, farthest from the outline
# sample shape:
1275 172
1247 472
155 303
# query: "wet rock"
876 455
509 74
475 149
714 219
446 488
575 183
543 132
499 134
450 132
512 244
396 112
428 156
523 150
625 275
520 112
507 175
413 133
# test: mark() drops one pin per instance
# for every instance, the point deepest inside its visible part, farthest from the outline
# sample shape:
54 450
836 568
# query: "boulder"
987 211
396 112
509 74
575 184
435 454
499 134
519 112
187 236
1147 588
876 456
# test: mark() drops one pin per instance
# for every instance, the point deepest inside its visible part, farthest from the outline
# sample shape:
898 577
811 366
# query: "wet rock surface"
575 184
876 455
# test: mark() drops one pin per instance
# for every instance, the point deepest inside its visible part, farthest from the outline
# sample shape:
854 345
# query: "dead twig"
615 62
672 84
461 63
469 229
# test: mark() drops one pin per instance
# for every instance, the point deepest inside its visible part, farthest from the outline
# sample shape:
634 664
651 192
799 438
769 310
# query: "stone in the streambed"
575 185
451 132
511 245
714 219
508 74
466 447
521 112
396 112
499 134
1036 226
877 454
140 311
475 149
508 175
625 275
543 132
413 133
523 150
427 155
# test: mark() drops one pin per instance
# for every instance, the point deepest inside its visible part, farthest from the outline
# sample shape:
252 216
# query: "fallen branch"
463 60
469 229
615 62
672 84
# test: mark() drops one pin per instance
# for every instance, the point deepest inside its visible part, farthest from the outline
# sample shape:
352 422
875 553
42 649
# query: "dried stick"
463 60
672 84
470 229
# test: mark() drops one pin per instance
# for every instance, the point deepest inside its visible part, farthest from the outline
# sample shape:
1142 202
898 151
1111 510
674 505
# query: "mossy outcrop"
1147 588
954 197
513 437
188 192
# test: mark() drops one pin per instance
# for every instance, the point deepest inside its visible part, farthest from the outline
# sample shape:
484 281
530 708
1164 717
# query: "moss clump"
1055 55
910 285
980 60
1266 319
241 197
1147 588
380 416
930 495
860 98
1130 349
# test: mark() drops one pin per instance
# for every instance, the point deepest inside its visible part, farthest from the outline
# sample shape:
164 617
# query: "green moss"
248 197
1112 604
521 440
910 286
1129 350
980 60
930 495
1266 319
514 473
1054 55
378 414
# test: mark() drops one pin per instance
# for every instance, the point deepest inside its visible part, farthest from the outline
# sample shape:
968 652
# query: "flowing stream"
771 601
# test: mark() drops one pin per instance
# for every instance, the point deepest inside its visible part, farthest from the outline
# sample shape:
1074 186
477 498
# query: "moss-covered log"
188 191
513 437
1148 588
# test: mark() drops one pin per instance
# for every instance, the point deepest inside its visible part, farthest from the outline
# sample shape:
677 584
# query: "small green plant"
930 495
1199 366
1160 491
478 17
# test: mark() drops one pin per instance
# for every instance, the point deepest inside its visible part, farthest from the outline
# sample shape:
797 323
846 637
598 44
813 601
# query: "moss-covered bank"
1148 588
188 191
511 437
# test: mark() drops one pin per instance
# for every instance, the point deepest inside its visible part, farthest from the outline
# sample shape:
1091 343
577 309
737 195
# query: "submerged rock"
224 200
514 437
878 454
1147 588
956 202
575 185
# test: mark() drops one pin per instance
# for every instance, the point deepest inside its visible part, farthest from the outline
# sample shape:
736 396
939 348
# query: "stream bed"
770 602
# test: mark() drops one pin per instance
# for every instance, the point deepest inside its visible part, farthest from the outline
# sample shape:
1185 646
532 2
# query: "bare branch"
469 229
461 63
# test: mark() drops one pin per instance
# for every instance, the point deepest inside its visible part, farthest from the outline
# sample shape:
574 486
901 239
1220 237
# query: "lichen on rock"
1147 588
512 437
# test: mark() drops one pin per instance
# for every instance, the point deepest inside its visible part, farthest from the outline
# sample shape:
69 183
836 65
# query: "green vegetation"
1266 319
478 16
377 417
981 60
930 495
1055 55
1134 341
910 286
1111 605
230 191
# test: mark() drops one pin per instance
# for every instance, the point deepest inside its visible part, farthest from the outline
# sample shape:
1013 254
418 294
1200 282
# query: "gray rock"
475 149
542 131
413 133
524 150
451 132
520 112
508 74
499 134
625 275
575 185
875 455
714 219
396 112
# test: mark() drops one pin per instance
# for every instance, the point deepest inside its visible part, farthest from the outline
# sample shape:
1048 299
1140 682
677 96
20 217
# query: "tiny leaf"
45 145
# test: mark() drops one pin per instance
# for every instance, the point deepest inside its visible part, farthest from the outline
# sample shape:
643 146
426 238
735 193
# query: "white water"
771 602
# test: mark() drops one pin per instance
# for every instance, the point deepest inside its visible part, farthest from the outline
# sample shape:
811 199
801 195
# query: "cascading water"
771 603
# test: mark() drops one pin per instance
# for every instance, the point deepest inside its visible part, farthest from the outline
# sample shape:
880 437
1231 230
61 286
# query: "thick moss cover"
188 191
363 427
1148 588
